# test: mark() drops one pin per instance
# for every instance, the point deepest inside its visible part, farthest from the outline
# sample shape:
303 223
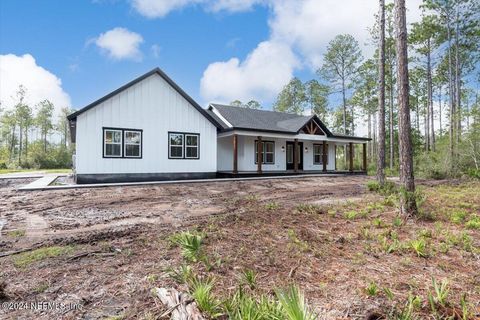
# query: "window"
183 145
122 143
191 146
133 143
112 139
268 152
318 154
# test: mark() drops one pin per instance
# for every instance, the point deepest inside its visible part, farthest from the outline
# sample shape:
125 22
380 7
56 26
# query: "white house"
150 129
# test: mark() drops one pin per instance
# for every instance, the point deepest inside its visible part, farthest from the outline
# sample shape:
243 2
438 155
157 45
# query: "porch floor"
231 174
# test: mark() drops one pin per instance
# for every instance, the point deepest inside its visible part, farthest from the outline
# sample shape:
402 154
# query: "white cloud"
120 43
155 48
160 8
301 26
40 83
309 25
261 76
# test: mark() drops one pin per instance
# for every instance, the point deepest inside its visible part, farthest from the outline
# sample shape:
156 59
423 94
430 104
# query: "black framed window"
318 154
112 143
183 145
133 143
268 152
122 143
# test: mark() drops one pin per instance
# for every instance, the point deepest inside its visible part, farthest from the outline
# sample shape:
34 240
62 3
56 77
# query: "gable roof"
162 74
267 121
261 120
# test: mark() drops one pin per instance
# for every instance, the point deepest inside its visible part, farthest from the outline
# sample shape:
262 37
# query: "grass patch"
16 233
5 171
25 259
309 208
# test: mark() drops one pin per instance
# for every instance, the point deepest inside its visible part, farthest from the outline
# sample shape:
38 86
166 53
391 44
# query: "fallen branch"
180 305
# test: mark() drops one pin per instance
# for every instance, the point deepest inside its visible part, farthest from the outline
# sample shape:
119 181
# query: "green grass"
191 245
5 171
16 233
25 259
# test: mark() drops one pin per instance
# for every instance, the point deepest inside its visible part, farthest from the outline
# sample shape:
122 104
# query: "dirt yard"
105 249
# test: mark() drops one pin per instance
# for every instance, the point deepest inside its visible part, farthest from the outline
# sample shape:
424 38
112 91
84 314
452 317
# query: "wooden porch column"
351 156
324 156
235 153
365 157
260 154
295 155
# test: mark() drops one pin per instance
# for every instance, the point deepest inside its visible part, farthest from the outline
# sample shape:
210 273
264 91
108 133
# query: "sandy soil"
120 248
58 213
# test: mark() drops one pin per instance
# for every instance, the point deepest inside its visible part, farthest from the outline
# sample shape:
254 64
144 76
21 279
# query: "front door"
289 154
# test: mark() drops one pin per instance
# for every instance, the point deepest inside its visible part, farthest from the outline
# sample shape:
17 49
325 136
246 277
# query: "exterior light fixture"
283 148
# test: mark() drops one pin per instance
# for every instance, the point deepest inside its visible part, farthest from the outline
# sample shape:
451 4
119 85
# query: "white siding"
246 154
155 107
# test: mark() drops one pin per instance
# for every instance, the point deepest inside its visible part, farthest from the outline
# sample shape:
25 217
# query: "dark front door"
289 154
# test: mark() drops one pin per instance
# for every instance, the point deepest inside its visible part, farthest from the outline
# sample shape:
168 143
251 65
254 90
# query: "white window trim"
133 144
197 146
170 145
114 143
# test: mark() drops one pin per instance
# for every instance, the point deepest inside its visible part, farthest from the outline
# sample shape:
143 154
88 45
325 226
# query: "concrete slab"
43 186
41 183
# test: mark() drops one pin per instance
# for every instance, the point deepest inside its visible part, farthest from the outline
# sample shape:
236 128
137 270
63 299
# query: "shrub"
181 275
473 223
191 245
201 291
419 246
350 215
372 289
249 277
294 305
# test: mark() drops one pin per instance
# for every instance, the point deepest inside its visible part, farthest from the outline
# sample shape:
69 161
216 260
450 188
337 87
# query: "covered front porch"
250 153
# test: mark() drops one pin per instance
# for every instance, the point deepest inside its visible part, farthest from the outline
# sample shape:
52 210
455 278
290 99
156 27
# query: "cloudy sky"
74 52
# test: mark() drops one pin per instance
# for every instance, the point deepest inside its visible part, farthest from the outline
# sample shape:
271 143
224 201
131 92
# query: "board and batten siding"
153 106
246 154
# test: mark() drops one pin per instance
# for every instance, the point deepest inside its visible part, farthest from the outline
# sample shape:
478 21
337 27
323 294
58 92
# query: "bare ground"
120 248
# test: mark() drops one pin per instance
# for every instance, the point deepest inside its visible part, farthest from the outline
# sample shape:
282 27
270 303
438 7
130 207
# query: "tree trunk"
381 96
450 90
425 127
392 134
20 147
369 120
344 117
408 204
431 131
440 110
458 82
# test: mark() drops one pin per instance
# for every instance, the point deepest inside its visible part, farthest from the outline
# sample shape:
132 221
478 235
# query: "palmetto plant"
294 305
249 277
201 291
419 246
440 293
191 245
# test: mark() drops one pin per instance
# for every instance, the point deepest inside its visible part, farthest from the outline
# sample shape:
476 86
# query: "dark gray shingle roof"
263 120
259 119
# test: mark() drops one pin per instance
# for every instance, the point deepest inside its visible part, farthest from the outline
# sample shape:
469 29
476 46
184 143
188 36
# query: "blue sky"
57 36
74 52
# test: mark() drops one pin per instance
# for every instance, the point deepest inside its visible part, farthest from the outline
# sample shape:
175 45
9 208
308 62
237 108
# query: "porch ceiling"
301 136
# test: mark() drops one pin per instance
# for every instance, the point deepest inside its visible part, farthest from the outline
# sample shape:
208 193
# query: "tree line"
443 51
31 137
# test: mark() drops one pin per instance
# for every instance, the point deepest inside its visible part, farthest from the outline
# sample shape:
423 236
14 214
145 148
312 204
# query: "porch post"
235 153
295 155
351 156
365 157
324 156
260 154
